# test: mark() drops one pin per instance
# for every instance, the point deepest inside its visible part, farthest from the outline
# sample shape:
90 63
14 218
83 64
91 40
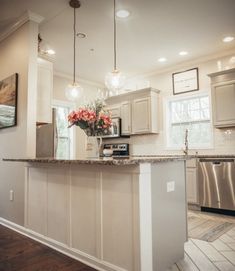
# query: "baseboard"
218 211
194 207
62 248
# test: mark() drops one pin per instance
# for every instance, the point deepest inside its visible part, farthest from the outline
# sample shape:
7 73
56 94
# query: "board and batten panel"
119 241
37 199
85 210
58 204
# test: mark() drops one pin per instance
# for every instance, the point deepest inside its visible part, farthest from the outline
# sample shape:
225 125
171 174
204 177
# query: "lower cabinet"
191 182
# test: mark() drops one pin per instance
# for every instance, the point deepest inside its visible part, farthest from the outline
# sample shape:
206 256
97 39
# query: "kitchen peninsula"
113 214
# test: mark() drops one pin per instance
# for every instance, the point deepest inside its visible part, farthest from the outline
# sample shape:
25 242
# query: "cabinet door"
141 116
115 111
192 187
44 91
126 118
223 104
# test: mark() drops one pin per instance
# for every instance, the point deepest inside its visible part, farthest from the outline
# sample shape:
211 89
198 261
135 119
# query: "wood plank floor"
19 253
209 256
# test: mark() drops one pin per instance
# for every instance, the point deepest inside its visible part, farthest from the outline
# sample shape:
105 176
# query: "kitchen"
154 81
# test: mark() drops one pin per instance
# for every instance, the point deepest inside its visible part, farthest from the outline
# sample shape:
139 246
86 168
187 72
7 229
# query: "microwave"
115 130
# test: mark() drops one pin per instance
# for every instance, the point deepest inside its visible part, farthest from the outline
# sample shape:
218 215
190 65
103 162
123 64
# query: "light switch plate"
170 186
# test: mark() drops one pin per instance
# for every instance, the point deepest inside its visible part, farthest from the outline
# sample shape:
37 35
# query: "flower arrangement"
92 118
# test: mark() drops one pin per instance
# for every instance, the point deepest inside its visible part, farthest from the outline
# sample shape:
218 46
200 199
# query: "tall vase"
93 145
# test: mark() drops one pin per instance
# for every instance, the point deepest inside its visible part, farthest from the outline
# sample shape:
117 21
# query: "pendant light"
73 91
114 80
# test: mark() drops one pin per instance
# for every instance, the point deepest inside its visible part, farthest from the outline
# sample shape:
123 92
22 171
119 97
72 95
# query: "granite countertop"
214 156
190 156
132 160
102 161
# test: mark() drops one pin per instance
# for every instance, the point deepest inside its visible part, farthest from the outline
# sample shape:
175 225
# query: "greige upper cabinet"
115 110
126 118
44 91
138 111
223 98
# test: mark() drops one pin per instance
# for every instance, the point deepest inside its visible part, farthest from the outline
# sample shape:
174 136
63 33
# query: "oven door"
115 130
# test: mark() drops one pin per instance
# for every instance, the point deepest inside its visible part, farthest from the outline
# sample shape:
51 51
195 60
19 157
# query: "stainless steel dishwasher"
216 179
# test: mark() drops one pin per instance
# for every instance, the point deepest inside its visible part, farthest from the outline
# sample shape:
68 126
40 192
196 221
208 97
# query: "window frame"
72 132
167 123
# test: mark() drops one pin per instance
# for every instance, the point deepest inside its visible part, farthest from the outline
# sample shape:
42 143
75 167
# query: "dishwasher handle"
217 161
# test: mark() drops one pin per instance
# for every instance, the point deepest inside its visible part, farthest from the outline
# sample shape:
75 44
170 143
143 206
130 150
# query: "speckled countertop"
190 156
103 161
214 156
132 160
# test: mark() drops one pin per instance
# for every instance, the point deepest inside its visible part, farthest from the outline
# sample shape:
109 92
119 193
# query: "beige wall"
90 92
18 54
155 144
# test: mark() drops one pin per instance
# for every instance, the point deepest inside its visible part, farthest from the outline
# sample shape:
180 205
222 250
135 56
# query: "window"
64 134
192 113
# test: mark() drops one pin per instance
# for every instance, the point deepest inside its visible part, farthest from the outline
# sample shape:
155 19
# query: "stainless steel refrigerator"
47 139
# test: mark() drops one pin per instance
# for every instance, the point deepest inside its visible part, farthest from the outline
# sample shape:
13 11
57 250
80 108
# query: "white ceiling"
156 28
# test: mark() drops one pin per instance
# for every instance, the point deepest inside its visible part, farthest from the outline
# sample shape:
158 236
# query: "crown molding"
24 18
182 65
80 80
34 17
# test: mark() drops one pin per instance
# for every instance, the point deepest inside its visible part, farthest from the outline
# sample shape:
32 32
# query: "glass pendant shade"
73 92
114 81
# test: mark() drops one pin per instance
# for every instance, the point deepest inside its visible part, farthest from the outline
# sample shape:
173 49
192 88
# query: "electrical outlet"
11 195
170 186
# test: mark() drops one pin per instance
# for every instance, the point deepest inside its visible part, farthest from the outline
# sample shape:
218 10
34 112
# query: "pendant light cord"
115 35
74 44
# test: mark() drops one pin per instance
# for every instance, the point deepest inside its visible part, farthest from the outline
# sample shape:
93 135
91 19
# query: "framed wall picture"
185 81
8 101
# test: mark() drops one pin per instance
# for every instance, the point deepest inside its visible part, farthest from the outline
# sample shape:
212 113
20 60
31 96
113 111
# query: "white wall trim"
182 65
81 80
145 205
24 18
73 253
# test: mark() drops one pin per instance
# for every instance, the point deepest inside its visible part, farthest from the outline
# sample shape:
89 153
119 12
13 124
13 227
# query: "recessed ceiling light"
50 52
183 53
122 13
81 35
228 39
162 59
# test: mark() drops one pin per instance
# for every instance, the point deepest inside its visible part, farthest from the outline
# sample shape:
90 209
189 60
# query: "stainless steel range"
119 149
217 183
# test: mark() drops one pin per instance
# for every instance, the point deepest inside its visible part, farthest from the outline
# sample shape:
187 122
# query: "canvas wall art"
8 101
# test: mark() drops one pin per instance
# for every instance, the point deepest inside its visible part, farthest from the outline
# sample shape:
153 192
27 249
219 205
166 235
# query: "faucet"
185 150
